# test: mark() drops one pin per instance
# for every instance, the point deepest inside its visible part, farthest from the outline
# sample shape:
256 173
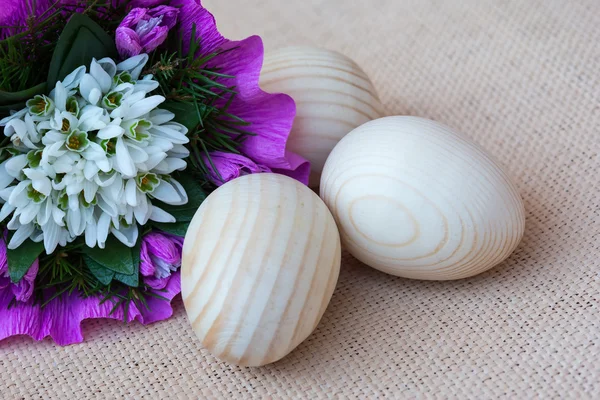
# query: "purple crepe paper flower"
22 290
143 30
160 257
230 166
61 319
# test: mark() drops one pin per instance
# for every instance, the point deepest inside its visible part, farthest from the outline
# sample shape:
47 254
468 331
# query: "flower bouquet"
117 118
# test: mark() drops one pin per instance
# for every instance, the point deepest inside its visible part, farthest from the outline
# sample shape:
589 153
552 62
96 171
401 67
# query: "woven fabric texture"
522 78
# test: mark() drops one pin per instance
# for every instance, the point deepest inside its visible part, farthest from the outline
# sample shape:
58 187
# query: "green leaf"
21 258
13 100
196 195
116 256
132 280
81 40
185 113
177 229
103 274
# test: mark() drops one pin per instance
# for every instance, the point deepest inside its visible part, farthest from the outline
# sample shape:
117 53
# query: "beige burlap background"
522 78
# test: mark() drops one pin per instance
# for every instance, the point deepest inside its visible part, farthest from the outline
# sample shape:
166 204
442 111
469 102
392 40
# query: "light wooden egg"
260 263
415 199
333 96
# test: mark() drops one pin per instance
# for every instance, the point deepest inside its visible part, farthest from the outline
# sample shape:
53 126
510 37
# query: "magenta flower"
160 257
143 30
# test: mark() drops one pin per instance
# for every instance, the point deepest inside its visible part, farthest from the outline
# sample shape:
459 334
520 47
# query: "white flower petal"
101 76
126 234
29 212
6 210
109 66
5 193
171 133
179 151
169 165
90 89
14 115
122 160
14 166
159 116
90 170
89 190
103 180
52 233
134 65
143 107
103 228
146 86
109 208
159 215
154 160
72 80
18 197
5 178
91 233
21 235
168 194
45 213
131 192
60 97
142 211
138 155
111 131
44 185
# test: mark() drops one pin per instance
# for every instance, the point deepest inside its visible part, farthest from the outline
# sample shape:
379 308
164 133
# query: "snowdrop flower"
89 159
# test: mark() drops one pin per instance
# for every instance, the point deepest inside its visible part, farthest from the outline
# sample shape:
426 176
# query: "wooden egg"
333 96
415 199
260 263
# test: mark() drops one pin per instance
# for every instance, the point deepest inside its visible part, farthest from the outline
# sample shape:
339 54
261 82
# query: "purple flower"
160 257
22 290
143 30
61 319
230 166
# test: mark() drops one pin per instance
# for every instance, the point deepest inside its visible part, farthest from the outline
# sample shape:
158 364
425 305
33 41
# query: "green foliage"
80 42
21 258
26 57
200 98
116 256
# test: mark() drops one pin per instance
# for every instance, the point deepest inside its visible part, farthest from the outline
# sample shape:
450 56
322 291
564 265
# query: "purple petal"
128 42
230 166
192 13
271 115
154 38
146 3
168 14
61 318
24 289
299 168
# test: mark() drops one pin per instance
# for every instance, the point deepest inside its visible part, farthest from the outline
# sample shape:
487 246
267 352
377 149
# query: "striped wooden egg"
415 199
260 263
333 96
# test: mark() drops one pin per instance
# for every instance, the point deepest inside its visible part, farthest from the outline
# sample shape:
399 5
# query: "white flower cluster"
89 158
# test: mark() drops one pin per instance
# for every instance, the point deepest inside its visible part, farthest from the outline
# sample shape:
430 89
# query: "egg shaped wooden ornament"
415 199
333 96
261 260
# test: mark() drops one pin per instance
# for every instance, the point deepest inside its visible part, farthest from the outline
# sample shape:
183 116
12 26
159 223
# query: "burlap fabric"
522 78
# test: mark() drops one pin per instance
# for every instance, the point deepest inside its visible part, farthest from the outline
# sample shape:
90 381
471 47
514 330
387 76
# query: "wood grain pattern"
415 199
260 263
332 93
